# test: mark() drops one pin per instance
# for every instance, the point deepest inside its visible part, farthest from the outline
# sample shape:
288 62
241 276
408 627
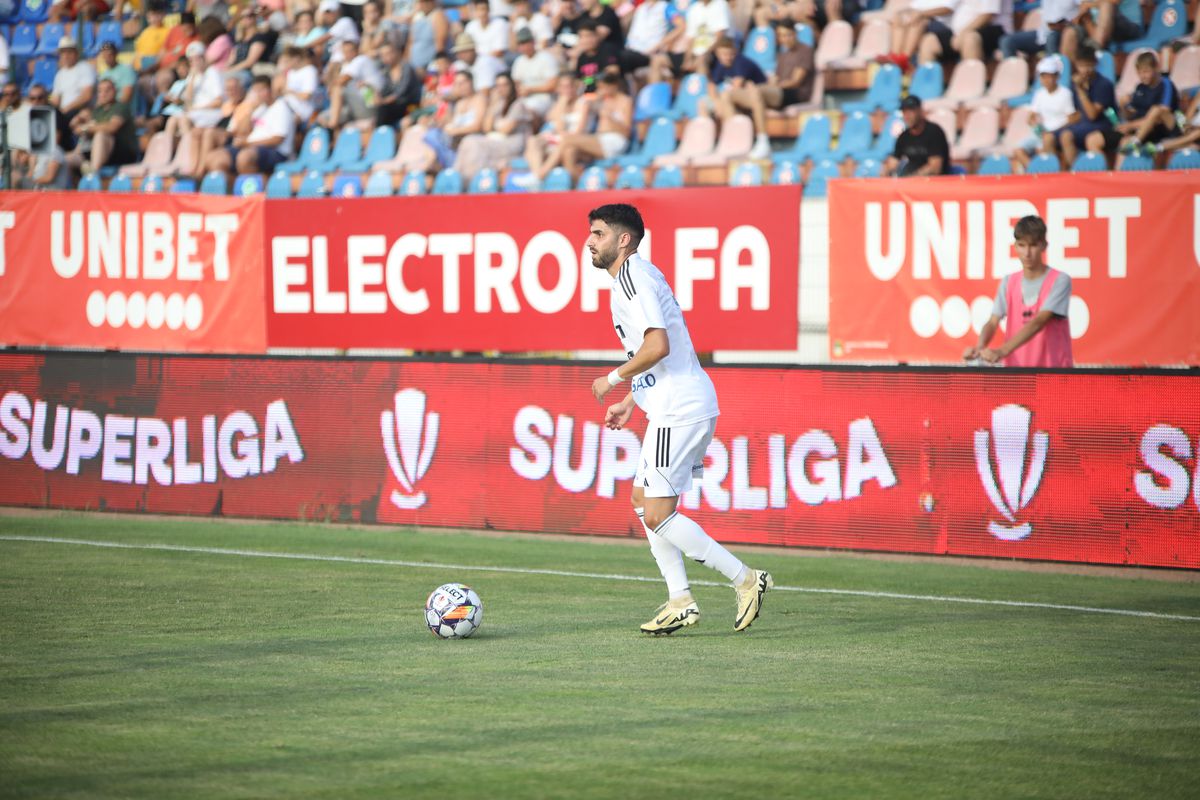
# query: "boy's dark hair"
620 215
261 80
1147 59
1086 53
1032 228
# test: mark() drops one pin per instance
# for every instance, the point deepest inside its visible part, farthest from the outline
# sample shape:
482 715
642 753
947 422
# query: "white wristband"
614 378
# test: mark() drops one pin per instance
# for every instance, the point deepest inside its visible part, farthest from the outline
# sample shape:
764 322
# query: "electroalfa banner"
150 272
511 272
1082 467
915 264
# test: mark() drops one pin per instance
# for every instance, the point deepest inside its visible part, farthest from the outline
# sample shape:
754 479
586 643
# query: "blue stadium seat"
760 48
48 39
868 168
486 181
44 70
279 186
313 152
347 184
817 181
928 82
1044 164
312 185
691 89
379 185
380 147
660 140
884 92
120 183
24 40
669 177
90 46
12 13
746 174
1136 163
813 141
347 150
785 174
214 183
558 180
885 142
1089 162
653 100
1186 158
1106 65
1168 22
183 186
995 164
413 184
855 137
152 184
35 10
804 33
631 177
448 181
593 179
246 185
89 183
109 31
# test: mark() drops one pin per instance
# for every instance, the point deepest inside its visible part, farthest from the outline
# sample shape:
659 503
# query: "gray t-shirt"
1057 301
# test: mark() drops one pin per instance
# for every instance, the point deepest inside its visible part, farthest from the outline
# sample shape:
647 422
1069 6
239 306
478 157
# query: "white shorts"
672 457
613 144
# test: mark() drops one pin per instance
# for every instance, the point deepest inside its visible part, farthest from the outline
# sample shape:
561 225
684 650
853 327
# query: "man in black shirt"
921 149
595 57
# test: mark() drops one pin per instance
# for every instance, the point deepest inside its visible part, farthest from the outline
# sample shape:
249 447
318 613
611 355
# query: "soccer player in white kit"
681 407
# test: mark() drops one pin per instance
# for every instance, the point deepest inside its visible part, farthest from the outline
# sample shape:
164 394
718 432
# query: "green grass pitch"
140 673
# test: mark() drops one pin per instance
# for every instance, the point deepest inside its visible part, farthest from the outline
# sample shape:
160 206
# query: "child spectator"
1095 108
1150 111
1052 107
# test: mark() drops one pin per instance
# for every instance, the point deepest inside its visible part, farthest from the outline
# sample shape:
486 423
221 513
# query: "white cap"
1050 65
344 30
327 5
194 49
68 43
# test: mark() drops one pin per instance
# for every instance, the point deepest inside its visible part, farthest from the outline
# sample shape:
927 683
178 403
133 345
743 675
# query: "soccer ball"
453 611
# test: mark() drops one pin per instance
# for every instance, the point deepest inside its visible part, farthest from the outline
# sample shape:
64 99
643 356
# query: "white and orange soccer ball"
453 611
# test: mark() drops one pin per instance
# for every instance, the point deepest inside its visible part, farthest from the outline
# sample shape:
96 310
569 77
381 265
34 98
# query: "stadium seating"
746 174
1010 80
152 185
314 151
1044 164
1136 163
156 159
667 177
1106 65
873 40
557 180
979 134
347 184
836 43
1169 21
691 89
948 120
785 173
1185 159
654 100
448 181
659 140
485 182
885 143
928 81
183 186
1185 69
89 183
995 164
379 184
347 150
412 185
699 136
593 179
868 168
1019 129
884 92
631 177
812 143
968 82
108 30
380 147
311 185
215 183
279 185
24 40
735 141
1089 162
121 184
49 37
817 180
760 48
246 185
44 70
804 34
855 137
35 10
413 153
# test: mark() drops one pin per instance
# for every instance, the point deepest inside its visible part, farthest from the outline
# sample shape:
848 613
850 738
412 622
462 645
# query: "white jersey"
675 391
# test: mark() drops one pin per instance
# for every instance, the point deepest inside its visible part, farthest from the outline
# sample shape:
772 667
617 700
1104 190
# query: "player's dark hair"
1032 228
620 215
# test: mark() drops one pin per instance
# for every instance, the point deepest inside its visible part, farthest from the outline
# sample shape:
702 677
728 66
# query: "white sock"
697 545
669 560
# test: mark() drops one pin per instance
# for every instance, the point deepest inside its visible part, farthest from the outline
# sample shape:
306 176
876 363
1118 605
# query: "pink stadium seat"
874 39
698 139
979 134
413 153
1185 71
158 154
1128 80
889 11
737 137
948 120
967 83
1011 79
1019 129
837 42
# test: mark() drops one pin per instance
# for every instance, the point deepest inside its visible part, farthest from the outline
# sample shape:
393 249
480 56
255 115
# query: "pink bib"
1051 346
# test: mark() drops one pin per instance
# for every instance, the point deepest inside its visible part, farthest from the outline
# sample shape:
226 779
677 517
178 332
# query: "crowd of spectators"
218 86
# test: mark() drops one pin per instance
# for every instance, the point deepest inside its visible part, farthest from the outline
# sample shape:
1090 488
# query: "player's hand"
990 355
601 387
970 354
618 415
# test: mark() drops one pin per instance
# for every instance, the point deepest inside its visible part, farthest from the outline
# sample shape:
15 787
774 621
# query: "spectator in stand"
156 116
1095 108
848 10
217 10
1189 131
612 110
1035 302
353 85
655 27
106 131
769 12
43 172
268 142
483 67
122 75
489 33
975 30
506 125
303 32
5 61
1150 111
534 73
10 98
263 35
428 33
1052 107
204 95
149 43
921 148
795 70
236 111
912 23
605 22
73 90
67 10
177 41
401 91
595 58
537 23
541 150
706 20
1103 23
465 117
328 16
1056 34
296 81
734 83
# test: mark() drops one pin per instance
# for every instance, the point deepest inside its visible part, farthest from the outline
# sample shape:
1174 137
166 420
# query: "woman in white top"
203 95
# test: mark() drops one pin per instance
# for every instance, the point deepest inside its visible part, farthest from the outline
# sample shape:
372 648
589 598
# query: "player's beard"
602 260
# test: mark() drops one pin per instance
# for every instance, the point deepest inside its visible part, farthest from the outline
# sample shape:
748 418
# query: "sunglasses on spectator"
37 98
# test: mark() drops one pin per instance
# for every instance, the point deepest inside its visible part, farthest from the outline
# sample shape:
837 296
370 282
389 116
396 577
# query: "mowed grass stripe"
224 551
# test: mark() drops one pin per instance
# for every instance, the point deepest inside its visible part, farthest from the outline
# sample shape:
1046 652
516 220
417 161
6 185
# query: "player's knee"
654 518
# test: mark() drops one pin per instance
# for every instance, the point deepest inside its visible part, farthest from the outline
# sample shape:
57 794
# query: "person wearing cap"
73 89
484 67
122 75
108 129
343 30
921 148
1055 33
1052 106
534 75
203 94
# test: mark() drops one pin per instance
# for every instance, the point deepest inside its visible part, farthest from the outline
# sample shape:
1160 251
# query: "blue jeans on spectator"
1027 42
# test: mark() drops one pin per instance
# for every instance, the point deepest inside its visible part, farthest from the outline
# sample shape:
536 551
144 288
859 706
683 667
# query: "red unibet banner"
919 461
151 272
915 263
511 272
